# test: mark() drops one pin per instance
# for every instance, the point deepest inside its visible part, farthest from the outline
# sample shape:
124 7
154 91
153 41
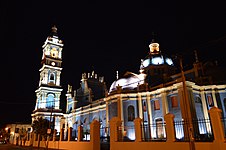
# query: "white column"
121 108
119 105
149 108
107 114
165 108
214 98
205 108
43 101
57 101
140 106
45 77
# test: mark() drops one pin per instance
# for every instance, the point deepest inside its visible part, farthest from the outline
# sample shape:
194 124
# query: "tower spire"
54 31
153 37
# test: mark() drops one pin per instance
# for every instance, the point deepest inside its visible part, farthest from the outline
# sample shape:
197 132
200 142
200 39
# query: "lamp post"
187 109
49 129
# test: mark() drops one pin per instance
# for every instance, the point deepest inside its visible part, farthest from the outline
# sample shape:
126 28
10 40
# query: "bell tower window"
52 77
50 101
131 113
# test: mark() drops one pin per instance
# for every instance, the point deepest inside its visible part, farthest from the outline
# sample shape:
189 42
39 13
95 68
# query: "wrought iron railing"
199 131
154 132
74 135
224 126
126 133
86 135
104 134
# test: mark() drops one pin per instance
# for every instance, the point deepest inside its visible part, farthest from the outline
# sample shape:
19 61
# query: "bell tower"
49 89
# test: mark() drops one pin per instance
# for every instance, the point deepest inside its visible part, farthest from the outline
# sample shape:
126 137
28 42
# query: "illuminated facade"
49 90
149 95
158 89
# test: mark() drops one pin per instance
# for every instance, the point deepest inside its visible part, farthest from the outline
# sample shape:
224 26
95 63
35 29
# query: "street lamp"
187 109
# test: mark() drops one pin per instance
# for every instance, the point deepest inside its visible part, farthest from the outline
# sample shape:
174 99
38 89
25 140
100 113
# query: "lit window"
159 128
156 105
169 61
146 62
157 60
131 113
174 101
50 101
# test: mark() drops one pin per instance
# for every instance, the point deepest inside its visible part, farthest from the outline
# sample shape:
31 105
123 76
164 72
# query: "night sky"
100 36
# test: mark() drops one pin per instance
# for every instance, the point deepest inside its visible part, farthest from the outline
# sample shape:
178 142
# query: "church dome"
155 57
128 81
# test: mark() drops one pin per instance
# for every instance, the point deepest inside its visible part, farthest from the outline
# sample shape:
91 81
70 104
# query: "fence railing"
154 132
126 133
74 135
86 135
224 126
105 134
202 130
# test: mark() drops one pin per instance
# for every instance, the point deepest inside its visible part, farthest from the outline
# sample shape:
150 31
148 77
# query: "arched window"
50 101
131 113
51 77
159 128
199 107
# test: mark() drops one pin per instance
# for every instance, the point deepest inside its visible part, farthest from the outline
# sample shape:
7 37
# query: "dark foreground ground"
14 147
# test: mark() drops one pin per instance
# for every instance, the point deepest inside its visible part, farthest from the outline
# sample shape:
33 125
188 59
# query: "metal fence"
154 132
200 130
74 135
224 126
126 133
86 134
104 134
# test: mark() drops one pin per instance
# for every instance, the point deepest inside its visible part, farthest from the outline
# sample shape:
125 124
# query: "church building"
157 89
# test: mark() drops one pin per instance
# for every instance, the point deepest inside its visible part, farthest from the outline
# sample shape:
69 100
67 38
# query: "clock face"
53 63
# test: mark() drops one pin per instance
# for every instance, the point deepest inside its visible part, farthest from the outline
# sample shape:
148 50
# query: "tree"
40 127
